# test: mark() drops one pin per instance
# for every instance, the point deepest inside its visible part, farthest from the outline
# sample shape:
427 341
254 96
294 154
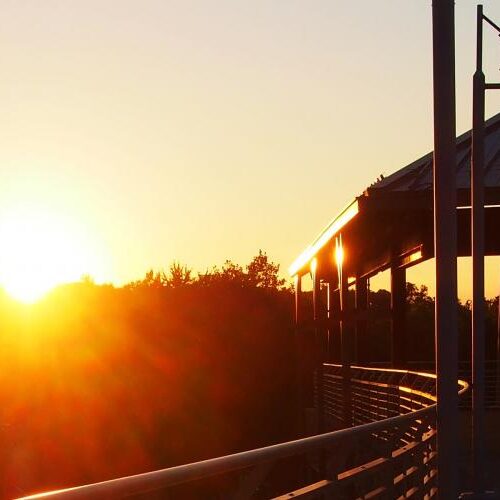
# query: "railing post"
445 244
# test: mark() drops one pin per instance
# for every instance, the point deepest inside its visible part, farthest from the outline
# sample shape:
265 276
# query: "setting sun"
40 250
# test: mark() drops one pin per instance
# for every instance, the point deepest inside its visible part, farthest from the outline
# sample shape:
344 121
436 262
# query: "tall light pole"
445 245
477 246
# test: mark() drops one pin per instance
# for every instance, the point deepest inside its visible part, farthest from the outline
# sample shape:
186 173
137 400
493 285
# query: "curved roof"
417 176
409 191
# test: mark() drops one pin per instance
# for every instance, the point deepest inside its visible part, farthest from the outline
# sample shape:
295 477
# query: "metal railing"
491 379
390 451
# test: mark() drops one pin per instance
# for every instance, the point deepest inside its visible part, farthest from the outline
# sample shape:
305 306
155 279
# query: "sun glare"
39 250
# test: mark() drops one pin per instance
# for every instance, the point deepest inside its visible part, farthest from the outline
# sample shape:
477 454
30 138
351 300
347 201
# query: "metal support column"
398 317
345 337
361 322
498 353
299 362
298 295
329 332
319 354
318 344
477 245
445 245
335 347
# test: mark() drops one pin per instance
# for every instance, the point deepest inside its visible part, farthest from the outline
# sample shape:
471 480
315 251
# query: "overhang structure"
391 223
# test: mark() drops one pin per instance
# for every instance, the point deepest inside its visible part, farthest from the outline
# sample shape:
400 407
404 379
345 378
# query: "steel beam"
445 245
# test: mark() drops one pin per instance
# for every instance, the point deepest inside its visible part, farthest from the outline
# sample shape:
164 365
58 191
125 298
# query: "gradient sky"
205 130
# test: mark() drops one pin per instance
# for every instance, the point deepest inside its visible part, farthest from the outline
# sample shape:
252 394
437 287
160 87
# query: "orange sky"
201 131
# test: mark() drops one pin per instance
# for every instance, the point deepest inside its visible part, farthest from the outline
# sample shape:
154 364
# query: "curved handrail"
159 479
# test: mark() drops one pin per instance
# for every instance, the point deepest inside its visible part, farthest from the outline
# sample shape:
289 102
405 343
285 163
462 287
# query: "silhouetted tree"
178 276
263 273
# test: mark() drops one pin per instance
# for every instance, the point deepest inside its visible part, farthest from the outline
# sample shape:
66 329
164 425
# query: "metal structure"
390 453
445 243
477 232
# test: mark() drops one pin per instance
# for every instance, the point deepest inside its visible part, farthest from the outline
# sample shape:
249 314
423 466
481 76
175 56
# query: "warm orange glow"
40 250
415 256
339 254
340 221
314 265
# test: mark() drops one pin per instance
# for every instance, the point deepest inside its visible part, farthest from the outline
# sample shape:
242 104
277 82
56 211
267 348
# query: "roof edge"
347 214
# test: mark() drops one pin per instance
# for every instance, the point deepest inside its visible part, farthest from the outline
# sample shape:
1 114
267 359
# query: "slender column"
318 316
398 317
334 323
361 323
329 316
299 362
445 245
298 296
477 245
498 351
345 351
345 340
318 344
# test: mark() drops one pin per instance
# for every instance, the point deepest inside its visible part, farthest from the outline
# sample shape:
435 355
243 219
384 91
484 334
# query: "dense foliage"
99 381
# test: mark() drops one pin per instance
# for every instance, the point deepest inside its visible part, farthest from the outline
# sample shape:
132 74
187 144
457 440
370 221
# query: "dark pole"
361 309
445 245
477 245
332 319
398 317
498 350
298 294
345 340
318 317
299 361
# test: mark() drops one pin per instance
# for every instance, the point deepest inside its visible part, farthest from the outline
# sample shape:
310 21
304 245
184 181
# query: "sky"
202 131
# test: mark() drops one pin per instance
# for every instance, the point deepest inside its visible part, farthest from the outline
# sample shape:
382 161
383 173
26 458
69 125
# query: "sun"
39 250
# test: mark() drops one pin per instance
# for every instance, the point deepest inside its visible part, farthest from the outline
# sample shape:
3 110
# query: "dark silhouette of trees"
259 273
264 274
99 382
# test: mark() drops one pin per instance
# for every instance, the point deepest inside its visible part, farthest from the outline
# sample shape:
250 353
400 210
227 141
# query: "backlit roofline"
325 236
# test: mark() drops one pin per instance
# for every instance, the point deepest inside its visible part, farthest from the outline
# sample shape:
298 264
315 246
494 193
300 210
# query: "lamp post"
477 250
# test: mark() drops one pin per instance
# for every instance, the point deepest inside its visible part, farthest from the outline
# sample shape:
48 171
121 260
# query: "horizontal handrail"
159 479
172 476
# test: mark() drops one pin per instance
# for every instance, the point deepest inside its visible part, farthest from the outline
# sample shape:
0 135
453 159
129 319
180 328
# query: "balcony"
382 445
